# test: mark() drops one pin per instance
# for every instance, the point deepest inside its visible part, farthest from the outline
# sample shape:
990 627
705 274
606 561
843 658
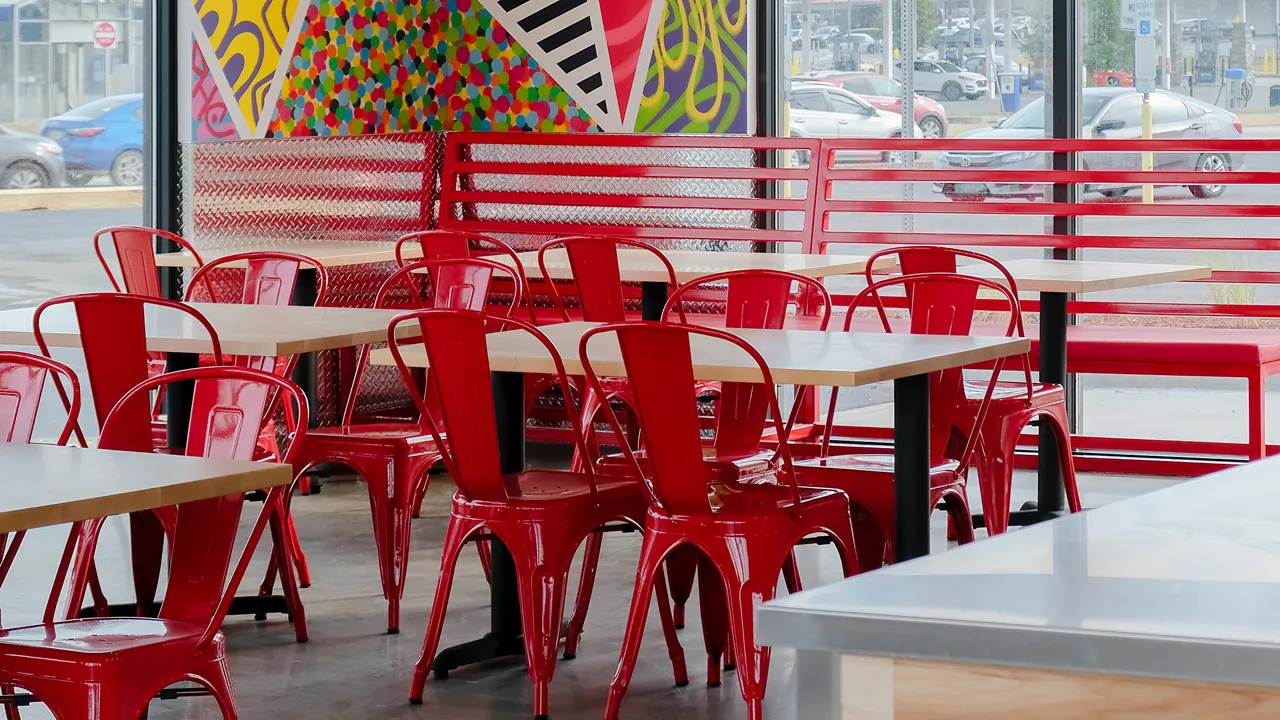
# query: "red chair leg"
651 556
959 515
1056 416
217 678
870 541
146 539
715 621
486 560
82 568
590 558
542 594
994 463
674 649
791 574
744 594
455 538
295 552
280 529
682 568
10 711
390 503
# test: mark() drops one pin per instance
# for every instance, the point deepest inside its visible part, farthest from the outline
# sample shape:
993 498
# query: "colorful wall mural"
279 68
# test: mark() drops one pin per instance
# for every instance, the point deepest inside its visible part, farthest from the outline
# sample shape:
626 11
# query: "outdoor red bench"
1113 337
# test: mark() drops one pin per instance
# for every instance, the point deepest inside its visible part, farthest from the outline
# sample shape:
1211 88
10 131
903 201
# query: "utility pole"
806 37
1008 36
1167 70
990 40
886 52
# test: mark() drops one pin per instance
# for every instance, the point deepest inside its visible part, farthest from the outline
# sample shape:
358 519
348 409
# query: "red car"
886 94
1112 78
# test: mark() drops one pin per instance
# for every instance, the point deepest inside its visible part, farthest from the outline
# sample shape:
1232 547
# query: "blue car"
103 137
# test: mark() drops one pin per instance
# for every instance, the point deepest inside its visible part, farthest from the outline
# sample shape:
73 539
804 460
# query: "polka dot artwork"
378 66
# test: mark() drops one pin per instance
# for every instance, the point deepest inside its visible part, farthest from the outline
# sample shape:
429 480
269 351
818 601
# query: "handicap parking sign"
1144 27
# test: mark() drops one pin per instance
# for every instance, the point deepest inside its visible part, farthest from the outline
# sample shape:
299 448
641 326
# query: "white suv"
939 77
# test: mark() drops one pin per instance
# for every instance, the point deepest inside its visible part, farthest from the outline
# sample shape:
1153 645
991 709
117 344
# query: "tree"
926 22
1106 45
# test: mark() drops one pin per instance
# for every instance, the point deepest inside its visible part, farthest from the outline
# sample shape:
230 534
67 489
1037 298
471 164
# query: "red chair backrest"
447 244
659 364
593 262
113 335
450 283
22 379
459 402
755 299
939 303
135 251
270 278
228 409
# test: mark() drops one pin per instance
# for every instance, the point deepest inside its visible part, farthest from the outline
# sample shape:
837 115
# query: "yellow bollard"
1148 159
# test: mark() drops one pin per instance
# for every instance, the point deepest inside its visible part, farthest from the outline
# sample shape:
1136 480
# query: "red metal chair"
267 278
540 515
394 458
939 304
743 532
1014 405
135 251
112 667
443 244
754 299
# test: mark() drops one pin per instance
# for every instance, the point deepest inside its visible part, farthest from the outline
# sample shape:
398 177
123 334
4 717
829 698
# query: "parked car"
940 77
820 110
886 94
1112 78
29 161
823 34
103 137
1109 113
865 43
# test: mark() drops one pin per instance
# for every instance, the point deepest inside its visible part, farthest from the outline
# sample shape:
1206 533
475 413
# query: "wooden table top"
330 253
795 357
642 266
258 330
47 485
1082 276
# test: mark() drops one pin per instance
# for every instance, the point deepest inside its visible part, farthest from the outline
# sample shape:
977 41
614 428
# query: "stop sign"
104 35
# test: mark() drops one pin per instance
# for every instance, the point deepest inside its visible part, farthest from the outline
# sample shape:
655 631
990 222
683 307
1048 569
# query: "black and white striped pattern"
566 37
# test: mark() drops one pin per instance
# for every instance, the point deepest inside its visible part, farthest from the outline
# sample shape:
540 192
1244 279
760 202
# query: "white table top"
795 357
642 266
330 253
47 485
257 330
1082 276
1181 584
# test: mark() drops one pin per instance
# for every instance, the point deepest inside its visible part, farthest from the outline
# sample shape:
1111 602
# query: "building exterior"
52 59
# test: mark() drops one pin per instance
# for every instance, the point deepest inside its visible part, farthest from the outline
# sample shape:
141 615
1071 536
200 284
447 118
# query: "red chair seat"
558 486
410 433
870 463
101 649
1011 391
767 498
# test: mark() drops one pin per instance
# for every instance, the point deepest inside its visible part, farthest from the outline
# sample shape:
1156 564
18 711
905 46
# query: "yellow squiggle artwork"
696 80
248 40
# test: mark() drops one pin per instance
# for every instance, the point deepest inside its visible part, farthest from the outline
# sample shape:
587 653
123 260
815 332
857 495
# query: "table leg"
1051 495
304 372
911 467
653 298
177 398
506 635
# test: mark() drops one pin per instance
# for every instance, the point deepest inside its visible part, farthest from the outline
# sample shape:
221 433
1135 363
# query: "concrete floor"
352 670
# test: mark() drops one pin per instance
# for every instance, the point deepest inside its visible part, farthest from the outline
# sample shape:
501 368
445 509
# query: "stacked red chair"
267 278
540 515
743 532
113 667
939 304
135 254
1014 404
394 458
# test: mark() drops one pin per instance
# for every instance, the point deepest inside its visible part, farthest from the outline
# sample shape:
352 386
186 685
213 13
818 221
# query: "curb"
70 199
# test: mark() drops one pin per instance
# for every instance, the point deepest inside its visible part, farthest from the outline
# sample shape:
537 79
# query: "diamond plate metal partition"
693 193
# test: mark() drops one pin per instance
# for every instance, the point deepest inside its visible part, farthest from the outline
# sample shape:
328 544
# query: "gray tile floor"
352 670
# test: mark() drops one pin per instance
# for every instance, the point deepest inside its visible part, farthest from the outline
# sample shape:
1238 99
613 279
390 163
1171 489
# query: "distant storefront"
52 56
